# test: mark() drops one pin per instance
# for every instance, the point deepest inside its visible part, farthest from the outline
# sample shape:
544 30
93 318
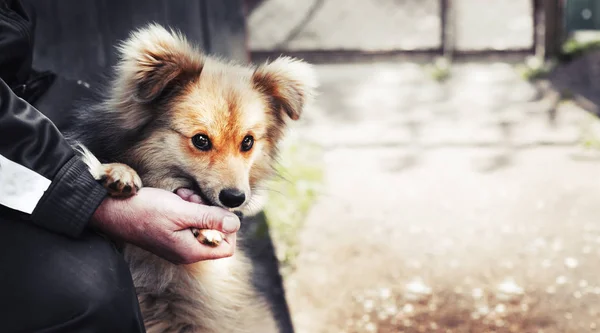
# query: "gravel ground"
462 207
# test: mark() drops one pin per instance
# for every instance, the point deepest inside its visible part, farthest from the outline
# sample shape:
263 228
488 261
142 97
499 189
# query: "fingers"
205 217
179 213
224 250
208 217
189 195
231 239
197 252
184 193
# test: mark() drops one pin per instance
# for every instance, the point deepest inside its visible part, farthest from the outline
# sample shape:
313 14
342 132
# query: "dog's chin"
198 197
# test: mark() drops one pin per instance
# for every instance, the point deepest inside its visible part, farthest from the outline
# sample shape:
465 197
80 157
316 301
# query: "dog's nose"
232 197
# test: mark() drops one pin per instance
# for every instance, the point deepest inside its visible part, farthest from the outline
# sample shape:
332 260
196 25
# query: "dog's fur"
164 92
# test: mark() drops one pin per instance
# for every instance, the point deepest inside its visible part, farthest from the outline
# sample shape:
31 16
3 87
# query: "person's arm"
40 175
43 182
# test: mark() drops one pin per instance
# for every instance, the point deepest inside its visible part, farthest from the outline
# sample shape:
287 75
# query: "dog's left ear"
289 82
153 58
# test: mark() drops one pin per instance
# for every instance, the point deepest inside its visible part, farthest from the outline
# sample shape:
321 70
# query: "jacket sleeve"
40 175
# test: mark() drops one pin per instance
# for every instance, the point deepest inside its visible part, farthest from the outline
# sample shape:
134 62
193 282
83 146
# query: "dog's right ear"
290 84
154 58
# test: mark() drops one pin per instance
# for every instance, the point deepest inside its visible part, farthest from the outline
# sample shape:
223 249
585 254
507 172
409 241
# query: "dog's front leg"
119 179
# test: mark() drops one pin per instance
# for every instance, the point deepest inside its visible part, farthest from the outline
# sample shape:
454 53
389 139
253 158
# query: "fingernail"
231 223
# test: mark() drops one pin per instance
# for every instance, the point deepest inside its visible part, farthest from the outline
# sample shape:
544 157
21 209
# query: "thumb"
209 217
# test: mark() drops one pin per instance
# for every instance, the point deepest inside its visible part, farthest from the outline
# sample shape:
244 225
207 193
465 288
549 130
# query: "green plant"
291 195
535 68
590 133
440 70
573 47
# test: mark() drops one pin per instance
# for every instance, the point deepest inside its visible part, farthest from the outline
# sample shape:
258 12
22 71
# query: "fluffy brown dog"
181 119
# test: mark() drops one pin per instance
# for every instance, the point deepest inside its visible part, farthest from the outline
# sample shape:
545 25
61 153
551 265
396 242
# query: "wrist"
97 218
103 220
113 218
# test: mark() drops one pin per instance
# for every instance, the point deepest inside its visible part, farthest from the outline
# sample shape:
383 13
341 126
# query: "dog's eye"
247 143
201 142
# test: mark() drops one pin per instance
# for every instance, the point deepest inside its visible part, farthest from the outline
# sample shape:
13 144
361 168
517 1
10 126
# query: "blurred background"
444 180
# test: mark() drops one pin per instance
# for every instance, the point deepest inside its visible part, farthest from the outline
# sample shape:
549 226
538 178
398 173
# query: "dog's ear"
289 83
154 58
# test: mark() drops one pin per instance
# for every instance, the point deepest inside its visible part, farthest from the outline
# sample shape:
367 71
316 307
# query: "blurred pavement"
466 206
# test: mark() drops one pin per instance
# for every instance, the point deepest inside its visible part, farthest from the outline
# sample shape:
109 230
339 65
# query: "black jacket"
41 179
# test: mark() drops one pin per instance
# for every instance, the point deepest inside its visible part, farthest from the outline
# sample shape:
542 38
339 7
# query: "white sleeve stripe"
20 188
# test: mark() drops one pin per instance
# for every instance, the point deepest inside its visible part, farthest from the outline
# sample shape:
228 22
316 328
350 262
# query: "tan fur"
226 102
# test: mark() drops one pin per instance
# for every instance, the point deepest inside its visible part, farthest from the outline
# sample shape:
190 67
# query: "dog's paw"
208 237
120 180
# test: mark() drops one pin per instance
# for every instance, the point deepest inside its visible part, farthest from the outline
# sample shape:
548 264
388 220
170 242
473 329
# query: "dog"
175 118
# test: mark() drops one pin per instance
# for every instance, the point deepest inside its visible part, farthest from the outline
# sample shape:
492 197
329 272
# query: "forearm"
40 175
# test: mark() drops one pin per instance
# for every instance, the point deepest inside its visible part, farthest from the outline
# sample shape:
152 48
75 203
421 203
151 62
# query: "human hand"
159 221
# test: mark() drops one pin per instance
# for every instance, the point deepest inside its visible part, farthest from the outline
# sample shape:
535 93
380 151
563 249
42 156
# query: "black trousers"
51 283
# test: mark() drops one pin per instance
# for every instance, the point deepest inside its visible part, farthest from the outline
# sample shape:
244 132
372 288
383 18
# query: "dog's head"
201 123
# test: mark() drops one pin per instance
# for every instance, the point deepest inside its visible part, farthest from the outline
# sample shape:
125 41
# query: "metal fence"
389 25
